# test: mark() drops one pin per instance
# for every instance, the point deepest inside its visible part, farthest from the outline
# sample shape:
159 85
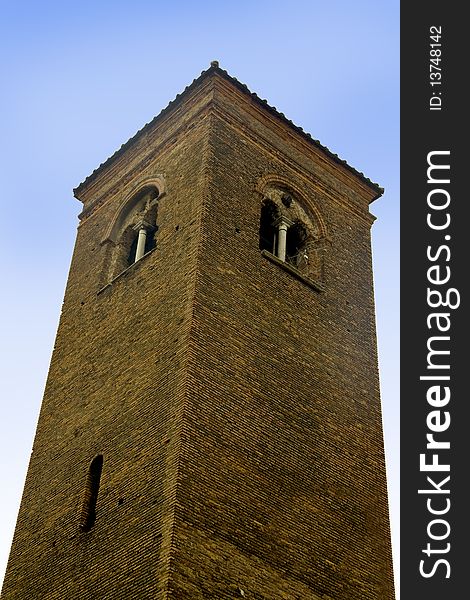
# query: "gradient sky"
79 79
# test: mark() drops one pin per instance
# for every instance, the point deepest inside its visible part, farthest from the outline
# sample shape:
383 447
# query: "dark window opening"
295 244
132 251
150 244
150 241
287 200
88 516
267 229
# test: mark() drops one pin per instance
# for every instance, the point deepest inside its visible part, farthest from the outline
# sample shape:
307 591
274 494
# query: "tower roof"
215 69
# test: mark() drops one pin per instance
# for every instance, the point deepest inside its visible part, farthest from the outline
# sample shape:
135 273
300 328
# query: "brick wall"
283 490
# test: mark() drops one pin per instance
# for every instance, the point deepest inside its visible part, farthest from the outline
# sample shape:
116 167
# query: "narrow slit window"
88 515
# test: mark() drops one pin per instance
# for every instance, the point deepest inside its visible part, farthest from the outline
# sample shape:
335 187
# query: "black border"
422 131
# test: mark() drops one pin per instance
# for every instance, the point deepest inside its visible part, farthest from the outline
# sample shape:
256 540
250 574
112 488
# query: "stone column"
283 224
142 228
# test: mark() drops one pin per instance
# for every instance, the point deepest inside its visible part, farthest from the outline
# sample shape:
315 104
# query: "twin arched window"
281 236
288 232
133 233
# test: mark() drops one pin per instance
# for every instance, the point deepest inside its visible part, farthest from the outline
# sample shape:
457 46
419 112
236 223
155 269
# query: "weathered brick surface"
237 409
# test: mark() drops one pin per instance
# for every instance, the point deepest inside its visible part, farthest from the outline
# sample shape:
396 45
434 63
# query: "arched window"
133 233
291 229
90 497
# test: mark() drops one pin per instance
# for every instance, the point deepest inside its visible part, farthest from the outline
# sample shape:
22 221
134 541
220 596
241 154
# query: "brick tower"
211 426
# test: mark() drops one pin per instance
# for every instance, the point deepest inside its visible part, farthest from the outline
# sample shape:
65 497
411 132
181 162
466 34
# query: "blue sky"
79 79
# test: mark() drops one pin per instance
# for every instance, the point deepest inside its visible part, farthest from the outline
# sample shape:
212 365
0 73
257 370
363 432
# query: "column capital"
141 224
283 223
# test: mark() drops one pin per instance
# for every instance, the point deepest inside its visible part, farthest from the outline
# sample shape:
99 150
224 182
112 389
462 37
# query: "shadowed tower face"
211 425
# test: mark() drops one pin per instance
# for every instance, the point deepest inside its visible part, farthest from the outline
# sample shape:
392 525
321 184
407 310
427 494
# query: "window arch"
133 233
90 497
